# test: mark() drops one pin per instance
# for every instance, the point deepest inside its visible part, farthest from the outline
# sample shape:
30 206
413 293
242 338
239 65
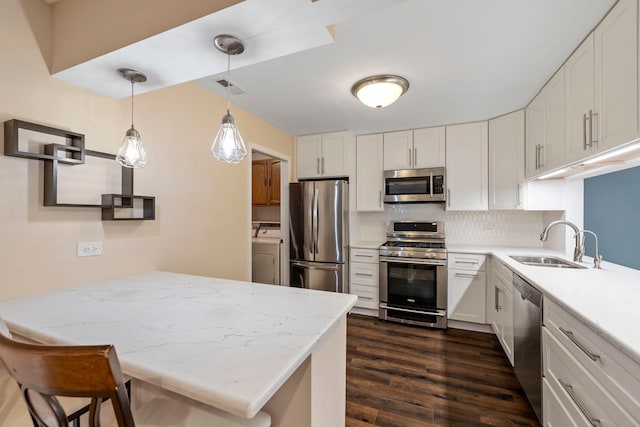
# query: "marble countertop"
367 244
226 343
607 300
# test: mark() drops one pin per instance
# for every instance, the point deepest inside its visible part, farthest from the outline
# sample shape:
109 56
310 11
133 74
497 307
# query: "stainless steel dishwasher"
527 354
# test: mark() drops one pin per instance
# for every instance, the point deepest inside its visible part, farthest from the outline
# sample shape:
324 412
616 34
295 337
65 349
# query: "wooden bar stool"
45 373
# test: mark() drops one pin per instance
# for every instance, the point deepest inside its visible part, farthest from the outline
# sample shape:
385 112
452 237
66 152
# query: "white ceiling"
465 60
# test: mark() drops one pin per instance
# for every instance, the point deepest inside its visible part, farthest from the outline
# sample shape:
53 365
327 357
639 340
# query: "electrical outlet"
89 249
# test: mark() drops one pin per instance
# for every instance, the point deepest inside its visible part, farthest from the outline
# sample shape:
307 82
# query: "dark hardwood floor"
404 376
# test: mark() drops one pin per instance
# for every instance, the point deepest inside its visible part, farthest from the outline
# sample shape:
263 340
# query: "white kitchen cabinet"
414 149
616 76
500 306
466 287
429 145
579 101
545 134
604 379
506 161
363 277
398 150
325 155
467 167
369 173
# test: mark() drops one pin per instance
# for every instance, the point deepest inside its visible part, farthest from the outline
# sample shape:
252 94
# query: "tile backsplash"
494 228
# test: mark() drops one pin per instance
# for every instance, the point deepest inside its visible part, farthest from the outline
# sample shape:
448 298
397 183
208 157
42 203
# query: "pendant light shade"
131 153
380 91
228 146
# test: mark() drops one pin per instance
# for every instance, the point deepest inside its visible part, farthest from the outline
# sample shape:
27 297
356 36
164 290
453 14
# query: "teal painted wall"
612 211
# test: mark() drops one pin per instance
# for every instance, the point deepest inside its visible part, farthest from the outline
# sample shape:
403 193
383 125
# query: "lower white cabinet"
588 381
501 306
466 287
363 277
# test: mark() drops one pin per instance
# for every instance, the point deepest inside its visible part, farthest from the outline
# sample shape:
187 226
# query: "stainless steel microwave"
414 185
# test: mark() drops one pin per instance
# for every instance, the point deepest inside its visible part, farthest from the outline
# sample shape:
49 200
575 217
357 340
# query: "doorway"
269 216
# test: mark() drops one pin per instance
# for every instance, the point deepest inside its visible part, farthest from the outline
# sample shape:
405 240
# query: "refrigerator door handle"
315 266
315 220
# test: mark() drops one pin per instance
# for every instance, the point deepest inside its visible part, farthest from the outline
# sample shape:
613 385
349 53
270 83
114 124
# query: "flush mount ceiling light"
228 146
380 91
131 153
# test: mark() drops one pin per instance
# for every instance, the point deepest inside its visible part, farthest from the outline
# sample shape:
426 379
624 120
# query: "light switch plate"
89 249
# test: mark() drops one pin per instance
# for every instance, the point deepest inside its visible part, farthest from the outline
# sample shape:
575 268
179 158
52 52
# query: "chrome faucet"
597 259
578 251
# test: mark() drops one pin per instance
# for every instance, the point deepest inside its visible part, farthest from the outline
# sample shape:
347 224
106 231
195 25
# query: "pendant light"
228 146
131 153
380 91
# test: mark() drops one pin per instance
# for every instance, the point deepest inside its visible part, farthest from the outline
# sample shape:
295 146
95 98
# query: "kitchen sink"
545 261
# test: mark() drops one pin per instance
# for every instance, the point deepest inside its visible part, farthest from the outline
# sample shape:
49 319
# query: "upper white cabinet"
580 101
616 76
506 161
601 86
545 132
398 150
429 147
467 167
414 149
325 155
369 173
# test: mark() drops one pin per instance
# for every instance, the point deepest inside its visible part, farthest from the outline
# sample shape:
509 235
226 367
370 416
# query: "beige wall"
202 207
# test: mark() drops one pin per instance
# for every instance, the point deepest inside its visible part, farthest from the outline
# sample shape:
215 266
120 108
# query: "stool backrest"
44 372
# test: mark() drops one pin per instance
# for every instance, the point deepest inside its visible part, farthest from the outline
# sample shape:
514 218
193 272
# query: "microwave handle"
431 185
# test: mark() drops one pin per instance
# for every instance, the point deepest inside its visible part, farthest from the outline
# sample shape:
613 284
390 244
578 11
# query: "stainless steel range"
413 274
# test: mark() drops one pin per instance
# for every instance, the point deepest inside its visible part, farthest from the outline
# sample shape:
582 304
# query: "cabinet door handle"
380 201
496 293
593 356
323 165
364 256
318 165
541 155
584 131
467 275
591 140
410 158
518 195
537 166
415 157
466 261
569 389
448 197
364 274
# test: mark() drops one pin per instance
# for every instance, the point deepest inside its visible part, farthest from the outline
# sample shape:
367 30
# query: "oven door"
414 290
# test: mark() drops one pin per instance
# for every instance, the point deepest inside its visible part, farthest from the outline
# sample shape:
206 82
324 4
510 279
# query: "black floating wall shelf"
68 149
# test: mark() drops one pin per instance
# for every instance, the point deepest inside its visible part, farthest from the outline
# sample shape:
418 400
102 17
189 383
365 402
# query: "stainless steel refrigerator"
319 226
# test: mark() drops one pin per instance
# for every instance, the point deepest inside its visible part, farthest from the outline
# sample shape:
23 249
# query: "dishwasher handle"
527 291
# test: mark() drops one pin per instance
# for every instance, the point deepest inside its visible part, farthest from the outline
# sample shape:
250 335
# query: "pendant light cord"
228 82
132 103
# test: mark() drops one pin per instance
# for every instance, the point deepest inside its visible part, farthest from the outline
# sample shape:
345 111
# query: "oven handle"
440 313
425 261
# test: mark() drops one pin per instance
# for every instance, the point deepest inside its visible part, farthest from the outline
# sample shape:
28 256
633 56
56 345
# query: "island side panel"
315 395
328 378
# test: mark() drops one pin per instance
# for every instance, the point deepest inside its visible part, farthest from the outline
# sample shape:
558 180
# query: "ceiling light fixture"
380 91
131 153
228 146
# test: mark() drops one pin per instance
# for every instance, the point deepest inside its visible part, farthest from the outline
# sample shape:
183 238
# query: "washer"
265 254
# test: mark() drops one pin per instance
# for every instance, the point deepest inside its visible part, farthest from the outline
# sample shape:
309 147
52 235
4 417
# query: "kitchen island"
237 346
